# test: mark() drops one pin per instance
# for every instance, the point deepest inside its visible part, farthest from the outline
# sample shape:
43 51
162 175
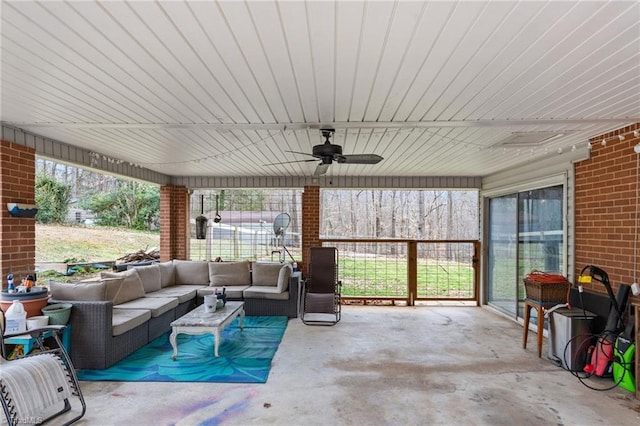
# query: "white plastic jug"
16 318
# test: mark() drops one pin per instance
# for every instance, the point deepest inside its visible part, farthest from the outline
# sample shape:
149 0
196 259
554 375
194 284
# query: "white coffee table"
200 322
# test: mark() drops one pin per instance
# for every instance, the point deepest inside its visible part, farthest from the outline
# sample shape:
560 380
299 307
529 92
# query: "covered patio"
424 365
499 97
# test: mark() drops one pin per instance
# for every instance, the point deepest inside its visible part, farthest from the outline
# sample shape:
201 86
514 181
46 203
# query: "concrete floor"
382 366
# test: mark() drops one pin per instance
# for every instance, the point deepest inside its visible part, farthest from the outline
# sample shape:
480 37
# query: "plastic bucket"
37 322
58 313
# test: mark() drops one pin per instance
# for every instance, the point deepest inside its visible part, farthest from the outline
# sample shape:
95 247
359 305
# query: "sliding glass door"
526 232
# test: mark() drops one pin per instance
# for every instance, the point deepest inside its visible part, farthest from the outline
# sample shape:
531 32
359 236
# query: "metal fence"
408 270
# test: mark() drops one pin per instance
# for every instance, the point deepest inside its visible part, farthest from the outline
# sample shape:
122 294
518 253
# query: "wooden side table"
539 307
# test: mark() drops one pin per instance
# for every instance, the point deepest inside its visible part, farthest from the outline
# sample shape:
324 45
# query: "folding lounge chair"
321 294
39 386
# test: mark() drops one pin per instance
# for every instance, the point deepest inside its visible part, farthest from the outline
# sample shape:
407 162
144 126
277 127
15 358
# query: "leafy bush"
130 204
52 198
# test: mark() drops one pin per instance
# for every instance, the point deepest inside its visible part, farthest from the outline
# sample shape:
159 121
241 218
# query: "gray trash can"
570 337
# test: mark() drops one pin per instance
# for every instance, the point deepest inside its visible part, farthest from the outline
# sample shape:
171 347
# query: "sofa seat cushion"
150 277
157 305
183 292
228 274
191 272
232 291
264 292
124 320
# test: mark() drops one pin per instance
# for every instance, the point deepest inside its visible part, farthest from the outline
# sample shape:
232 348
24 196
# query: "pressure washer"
600 357
623 359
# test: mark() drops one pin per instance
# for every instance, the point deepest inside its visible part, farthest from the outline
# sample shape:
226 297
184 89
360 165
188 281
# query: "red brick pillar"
174 222
310 223
17 235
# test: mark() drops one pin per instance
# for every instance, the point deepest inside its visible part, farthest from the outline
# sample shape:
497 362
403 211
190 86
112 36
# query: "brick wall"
606 206
310 223
174 222
17 235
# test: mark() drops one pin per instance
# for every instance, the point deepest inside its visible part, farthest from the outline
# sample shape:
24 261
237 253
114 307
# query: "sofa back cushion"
150 276
191 272
167 274
269 274
129 289
229 273
283 277
89 291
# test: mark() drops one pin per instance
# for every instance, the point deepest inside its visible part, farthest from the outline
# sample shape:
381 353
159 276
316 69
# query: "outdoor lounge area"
531 109
427 365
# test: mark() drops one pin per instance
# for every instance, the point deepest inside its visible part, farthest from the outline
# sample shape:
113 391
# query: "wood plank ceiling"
222 88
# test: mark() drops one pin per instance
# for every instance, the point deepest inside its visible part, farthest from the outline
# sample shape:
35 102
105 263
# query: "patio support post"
412 272
17 234
174 222
310 223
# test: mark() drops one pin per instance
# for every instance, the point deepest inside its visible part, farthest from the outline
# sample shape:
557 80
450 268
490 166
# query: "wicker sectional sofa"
122 311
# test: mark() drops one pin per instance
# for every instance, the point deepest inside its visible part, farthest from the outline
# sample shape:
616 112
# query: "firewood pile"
140 256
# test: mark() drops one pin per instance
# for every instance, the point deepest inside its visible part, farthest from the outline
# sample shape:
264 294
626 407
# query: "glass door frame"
559 180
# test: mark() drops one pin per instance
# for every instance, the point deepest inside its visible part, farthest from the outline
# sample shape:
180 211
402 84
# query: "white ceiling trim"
334 125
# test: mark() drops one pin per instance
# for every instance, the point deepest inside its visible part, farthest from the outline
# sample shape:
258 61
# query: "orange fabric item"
545 277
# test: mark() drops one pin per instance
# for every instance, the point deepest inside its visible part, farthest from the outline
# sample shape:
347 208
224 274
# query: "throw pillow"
130 288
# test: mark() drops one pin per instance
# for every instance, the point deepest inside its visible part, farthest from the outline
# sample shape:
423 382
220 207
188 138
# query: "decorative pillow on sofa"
150 276
89 291
268 274
130 289
191 272
229 273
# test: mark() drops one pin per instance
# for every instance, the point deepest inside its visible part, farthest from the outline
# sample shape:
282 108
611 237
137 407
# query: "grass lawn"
367 277
57 243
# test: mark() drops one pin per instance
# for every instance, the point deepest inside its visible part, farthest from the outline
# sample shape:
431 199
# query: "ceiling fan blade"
288 162
359 159
301 153
321 169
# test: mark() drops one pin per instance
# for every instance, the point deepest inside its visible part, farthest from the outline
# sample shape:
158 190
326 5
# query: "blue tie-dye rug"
245 356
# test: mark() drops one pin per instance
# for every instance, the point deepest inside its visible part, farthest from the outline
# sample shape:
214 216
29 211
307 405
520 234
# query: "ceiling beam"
335 125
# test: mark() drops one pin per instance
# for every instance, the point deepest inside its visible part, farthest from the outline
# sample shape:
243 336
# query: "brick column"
310 223
17 235
174 222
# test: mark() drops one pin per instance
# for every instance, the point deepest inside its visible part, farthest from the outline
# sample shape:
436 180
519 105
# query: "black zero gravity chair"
39 386
321 295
